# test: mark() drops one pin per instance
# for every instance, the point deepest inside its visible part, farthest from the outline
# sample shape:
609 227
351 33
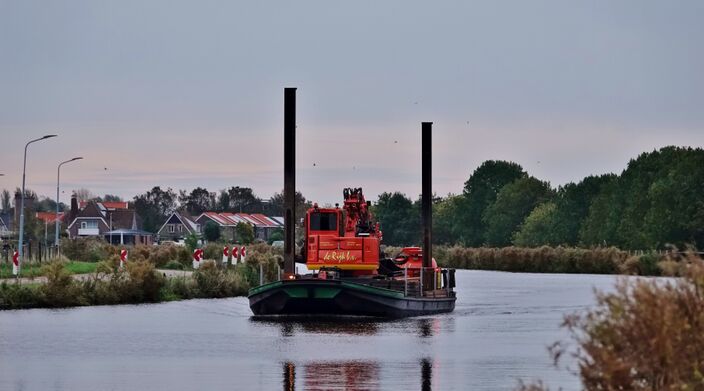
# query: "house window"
172 228
180 228
89 224
198 228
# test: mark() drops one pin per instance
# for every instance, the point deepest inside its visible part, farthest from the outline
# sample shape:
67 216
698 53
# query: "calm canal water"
498 334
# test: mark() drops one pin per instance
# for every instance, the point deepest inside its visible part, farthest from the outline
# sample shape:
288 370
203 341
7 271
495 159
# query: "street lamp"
24 170
58 176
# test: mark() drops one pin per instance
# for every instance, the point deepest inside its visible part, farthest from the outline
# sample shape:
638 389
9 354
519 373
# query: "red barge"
342 246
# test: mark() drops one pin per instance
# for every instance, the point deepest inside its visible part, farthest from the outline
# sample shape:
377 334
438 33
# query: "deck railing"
411 284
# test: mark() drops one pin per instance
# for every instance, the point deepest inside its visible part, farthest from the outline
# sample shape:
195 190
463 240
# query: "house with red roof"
224 221
108 205
227 222
49 217
113 221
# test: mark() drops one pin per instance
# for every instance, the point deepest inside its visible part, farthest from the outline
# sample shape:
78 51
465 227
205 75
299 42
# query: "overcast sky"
190 93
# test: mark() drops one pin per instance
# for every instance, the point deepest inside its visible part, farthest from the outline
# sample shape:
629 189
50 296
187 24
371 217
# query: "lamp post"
58 176
24 170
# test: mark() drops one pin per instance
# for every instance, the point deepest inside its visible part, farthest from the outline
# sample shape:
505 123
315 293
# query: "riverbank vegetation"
140 281
552 260
646 335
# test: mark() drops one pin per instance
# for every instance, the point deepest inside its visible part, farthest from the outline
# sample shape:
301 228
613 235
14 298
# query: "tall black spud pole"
289 180
427 202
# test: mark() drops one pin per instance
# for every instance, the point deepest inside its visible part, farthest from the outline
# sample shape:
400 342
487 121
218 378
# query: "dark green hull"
339 297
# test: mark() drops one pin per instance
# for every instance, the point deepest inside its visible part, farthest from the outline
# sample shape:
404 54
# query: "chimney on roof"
74 207
28 204
18 202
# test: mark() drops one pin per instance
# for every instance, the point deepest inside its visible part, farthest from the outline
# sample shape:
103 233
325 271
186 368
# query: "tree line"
155 205
656 202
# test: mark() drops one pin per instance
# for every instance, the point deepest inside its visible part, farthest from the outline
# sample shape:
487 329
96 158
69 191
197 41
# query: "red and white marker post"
225 254
15 263
123 258
243 253
235 255
196 258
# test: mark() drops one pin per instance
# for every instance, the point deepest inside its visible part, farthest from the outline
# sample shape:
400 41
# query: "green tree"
513 204
112 198
84 194
276 205
245 233
445 224
154 207
635 183
480 191
191 242
45 204
241 200
676 198
211 232
600 227
656 201
572 204
399 218
538 229
5 201
197 201
276 235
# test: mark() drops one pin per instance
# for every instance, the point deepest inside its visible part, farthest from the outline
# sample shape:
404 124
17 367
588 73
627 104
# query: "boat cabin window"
320 221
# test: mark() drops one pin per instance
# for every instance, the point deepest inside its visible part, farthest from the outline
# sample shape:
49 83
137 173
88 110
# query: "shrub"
86 249
213 251
211 232
646 335
245 233
60 289
173 265
19 295
191 243
269 257
181 288
139 282
214 282
276 235
145 280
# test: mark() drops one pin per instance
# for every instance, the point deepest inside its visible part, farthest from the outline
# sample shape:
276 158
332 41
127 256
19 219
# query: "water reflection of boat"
345 375
424 327
318 325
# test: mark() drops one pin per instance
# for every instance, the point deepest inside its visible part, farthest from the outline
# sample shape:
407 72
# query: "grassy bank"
35 270
551 260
